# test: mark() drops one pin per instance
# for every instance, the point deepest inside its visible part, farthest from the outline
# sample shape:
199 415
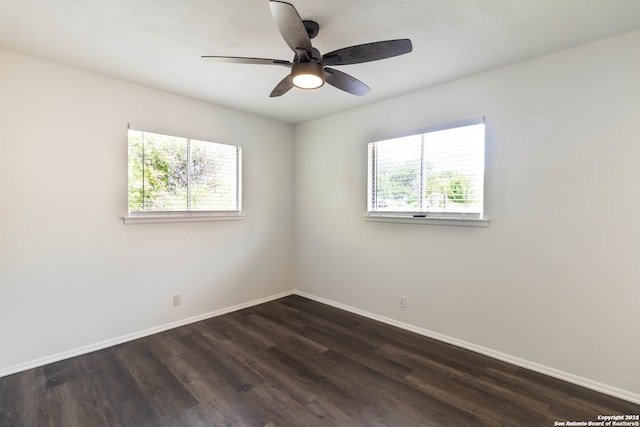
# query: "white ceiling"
158 43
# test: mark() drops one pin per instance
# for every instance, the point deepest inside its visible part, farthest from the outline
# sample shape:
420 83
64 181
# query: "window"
172 176
435 174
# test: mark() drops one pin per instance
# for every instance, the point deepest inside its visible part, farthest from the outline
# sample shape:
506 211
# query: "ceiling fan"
309 69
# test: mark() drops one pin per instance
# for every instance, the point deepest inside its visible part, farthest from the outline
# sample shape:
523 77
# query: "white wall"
555 278
71 274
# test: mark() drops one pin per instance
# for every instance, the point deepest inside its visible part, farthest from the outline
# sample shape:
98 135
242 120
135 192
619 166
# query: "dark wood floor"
292 362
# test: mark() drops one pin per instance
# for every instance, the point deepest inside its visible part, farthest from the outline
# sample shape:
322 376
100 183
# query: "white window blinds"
439 173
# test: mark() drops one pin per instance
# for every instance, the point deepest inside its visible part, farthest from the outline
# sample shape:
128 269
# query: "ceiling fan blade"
243 60
345 82
290 26
367 52
282 87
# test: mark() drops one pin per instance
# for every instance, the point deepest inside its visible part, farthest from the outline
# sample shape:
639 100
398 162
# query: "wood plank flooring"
292 362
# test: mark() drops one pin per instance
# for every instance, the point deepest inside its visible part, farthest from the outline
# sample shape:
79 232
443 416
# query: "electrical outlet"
177 300
402 302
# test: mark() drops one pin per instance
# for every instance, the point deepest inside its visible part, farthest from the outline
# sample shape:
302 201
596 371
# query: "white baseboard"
546 370
133 336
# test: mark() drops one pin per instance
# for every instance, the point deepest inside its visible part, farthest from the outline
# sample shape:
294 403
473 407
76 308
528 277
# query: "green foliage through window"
440 172
168 173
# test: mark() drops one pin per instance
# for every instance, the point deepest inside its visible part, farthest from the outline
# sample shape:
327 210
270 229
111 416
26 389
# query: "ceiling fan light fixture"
307 75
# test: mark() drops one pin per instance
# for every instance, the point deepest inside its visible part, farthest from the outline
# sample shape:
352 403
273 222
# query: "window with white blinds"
172 175
439 173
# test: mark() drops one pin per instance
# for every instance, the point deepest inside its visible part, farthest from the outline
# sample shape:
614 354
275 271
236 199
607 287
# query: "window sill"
161 219
451 221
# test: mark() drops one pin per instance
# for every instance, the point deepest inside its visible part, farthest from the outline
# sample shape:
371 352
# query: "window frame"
153 217
427 218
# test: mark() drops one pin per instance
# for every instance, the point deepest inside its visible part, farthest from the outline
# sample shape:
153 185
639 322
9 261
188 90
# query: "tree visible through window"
174 174
436 173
